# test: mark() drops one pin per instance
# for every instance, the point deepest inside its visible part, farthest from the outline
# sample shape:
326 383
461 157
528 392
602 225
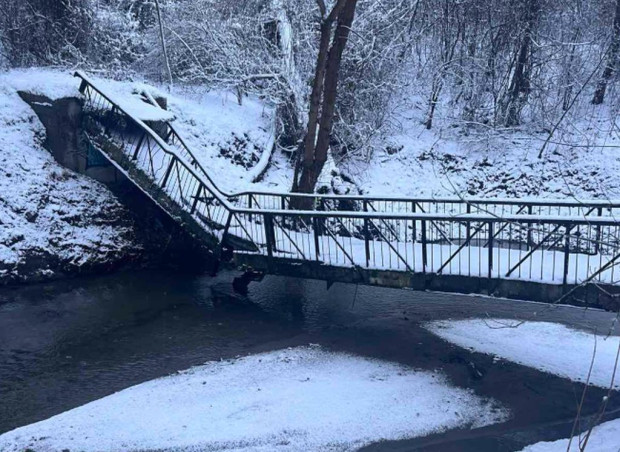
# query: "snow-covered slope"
51 219
460 158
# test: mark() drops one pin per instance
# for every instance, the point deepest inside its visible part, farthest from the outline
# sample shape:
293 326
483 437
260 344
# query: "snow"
132 104
549 347
604 438
297 399
45 209
456 158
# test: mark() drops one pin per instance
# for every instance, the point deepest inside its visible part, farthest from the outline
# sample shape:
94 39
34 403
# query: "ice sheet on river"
295 399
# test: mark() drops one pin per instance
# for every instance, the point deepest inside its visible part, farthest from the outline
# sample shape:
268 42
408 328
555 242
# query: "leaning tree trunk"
612 58
323 99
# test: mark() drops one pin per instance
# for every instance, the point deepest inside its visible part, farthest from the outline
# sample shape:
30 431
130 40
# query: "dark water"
67 343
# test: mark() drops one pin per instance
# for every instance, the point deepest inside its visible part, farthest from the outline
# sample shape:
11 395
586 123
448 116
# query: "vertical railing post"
139 145
196 198
423 238
467 224
250 198
168 171
317 232
269 235
490 249
566 254
415 232
598 233
529 230
366 235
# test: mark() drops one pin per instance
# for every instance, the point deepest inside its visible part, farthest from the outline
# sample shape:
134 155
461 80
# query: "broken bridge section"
546 250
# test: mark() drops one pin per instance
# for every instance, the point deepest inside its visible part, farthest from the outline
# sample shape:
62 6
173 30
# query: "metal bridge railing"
557 242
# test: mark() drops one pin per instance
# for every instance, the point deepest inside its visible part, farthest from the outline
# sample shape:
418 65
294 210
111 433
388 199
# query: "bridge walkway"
523 248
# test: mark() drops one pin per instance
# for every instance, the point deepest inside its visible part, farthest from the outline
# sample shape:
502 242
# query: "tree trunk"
610 67
519 89
163 44
323 99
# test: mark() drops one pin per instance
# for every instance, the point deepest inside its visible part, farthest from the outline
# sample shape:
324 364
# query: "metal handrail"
610 204
395 235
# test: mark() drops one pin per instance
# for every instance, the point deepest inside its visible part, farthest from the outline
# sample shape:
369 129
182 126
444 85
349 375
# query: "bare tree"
323 96
612 60
518 91
163 43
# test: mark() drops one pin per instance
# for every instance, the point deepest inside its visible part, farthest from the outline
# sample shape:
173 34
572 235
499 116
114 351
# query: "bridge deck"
482 243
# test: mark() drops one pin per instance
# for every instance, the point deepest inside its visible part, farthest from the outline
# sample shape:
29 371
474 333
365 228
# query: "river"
65 343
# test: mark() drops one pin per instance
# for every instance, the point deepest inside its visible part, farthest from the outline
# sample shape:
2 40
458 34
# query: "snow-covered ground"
50 217
549 347
297 399
604 438
459 158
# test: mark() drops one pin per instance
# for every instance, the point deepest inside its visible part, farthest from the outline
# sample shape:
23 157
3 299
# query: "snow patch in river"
604 438
549 347
295 399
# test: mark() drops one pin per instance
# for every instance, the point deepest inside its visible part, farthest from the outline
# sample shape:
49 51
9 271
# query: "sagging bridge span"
545 250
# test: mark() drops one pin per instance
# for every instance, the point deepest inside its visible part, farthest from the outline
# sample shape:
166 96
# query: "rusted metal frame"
392 247
539 245
315 230
436 225
463 245
180 186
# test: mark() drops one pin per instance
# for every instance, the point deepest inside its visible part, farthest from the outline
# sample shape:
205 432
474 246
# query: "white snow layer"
290 400
45 208
549 347
604 438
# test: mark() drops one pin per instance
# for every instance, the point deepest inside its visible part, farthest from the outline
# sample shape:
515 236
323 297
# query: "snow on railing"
556 242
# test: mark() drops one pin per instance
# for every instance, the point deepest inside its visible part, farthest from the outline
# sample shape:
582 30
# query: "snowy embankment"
458 158
549 347
291 400
51 219
54 221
